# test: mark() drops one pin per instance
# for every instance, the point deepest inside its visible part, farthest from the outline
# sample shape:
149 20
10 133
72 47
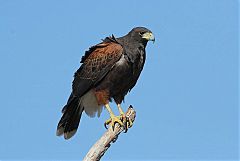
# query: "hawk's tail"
69 122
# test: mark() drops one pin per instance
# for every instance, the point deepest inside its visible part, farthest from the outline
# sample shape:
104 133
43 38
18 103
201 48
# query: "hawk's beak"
149 36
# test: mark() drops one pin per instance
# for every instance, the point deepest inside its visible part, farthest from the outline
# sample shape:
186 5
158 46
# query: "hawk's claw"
122 120
127 122
130 123
113 120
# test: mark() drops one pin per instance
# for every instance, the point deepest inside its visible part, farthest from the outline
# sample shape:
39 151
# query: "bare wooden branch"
110 136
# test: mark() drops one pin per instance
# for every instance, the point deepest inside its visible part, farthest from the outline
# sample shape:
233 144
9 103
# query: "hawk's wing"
97 62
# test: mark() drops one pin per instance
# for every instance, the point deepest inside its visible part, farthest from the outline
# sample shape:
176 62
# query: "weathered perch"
101 146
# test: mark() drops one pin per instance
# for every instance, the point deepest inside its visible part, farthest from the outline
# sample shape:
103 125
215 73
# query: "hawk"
109 70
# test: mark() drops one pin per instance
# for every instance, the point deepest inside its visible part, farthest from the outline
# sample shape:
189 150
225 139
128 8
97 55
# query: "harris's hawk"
109 70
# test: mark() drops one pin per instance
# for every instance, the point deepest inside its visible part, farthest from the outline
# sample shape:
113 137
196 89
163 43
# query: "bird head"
142 34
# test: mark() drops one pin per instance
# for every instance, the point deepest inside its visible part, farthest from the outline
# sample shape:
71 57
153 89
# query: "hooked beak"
149 36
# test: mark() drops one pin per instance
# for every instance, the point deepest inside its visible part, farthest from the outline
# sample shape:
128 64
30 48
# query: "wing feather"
96 65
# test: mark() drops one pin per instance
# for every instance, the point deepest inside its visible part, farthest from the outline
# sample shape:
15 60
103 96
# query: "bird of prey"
109 70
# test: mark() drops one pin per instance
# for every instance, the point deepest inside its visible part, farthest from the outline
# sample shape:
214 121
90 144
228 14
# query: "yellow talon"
113 119
127 122
122 120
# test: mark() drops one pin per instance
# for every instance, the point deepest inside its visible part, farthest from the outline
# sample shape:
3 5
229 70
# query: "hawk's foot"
113 120
126 121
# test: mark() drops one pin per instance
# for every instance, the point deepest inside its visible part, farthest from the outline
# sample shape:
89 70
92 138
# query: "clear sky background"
186 99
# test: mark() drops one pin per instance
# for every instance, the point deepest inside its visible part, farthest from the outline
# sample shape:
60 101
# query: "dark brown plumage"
109 70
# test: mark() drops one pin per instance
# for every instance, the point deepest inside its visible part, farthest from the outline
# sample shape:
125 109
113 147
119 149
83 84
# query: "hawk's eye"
141 33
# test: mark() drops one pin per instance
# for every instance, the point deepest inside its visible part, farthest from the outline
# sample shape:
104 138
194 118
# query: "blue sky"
186 99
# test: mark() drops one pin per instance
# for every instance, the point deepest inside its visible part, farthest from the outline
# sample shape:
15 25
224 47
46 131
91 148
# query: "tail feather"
69 122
